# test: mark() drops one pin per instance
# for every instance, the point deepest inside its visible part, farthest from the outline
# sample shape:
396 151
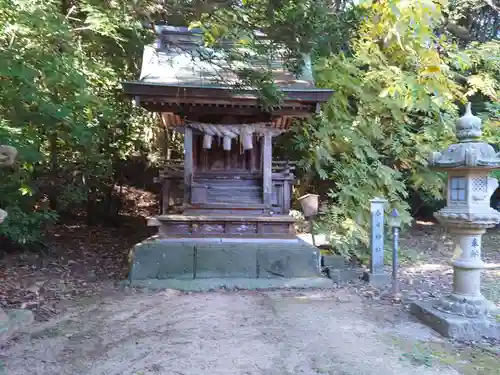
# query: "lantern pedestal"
465 314
455 326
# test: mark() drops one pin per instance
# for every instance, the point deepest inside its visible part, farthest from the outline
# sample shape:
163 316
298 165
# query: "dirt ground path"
233 333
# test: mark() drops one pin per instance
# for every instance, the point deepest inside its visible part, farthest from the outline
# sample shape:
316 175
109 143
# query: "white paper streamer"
207 141
227 143
229 132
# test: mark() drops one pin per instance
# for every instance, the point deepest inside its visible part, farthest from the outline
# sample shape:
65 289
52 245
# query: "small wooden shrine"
227 186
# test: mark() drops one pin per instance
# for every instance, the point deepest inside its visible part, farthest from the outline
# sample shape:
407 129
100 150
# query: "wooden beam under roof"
172 120
213 94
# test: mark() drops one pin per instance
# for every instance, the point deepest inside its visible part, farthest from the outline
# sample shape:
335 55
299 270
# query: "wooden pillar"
286 197
227 160
204 159
287 190
188 164
267 169
253 154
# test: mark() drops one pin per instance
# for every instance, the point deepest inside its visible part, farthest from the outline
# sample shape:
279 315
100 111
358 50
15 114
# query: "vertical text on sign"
377 235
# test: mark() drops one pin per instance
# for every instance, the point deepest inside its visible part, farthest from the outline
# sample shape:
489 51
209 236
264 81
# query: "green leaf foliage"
60 104
400 70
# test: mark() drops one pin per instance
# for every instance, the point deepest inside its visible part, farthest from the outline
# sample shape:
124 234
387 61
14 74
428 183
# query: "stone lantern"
465 313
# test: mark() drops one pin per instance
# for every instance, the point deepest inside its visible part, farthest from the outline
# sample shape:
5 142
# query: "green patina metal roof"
179 58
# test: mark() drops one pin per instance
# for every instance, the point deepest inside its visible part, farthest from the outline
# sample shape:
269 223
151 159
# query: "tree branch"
459 31
493 6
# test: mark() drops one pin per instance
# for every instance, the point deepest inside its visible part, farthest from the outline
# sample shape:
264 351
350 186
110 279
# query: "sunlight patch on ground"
494 273
314 296
427 268
78 226
426 223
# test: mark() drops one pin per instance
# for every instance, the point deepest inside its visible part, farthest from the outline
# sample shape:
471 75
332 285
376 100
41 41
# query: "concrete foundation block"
343 276
285 261
155 258
226 260
211 257
334 261
378 280
454 326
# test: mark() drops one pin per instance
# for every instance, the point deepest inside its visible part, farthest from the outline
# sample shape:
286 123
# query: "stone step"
227 206
235 192
235 200
229 183
223 211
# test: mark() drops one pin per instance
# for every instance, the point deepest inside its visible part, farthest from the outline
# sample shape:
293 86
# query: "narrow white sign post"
377 275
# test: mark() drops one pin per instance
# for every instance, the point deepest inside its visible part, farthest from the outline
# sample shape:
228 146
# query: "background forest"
401 71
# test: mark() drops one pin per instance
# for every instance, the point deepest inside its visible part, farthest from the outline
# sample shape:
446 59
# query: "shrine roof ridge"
247 89
178 58
171 29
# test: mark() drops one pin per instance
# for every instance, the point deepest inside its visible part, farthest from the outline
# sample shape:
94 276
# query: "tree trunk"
91 205
54 169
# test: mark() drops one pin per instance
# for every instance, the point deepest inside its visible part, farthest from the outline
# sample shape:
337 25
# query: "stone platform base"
378 280
13 321
197 258
204 285
344 276
454 326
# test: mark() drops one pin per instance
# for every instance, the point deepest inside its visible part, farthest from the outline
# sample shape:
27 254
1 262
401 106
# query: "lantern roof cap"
469 152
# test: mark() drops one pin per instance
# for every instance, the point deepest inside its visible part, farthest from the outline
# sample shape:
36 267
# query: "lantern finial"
468 127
